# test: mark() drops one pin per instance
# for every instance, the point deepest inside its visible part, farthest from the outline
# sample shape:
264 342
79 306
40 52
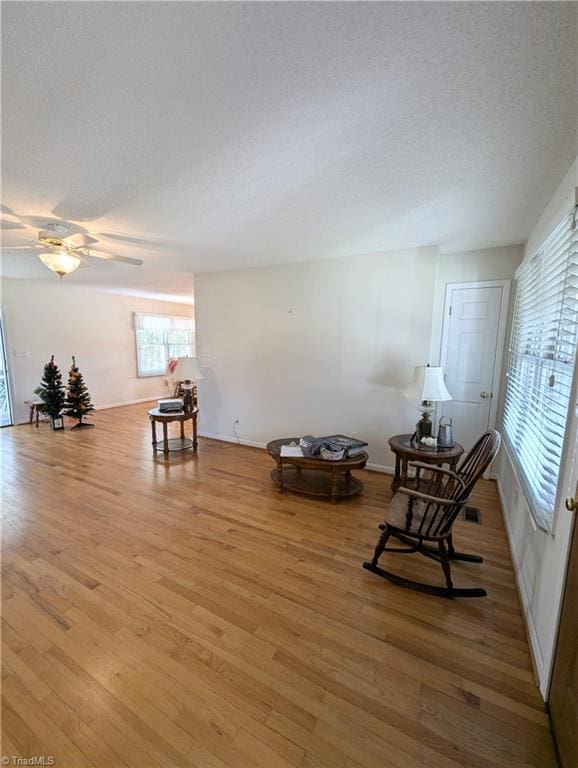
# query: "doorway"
5 403
474 328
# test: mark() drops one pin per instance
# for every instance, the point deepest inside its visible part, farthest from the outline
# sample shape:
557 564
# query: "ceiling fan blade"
124 238
140 242
96 254
14 222
79 240
18 247
7 224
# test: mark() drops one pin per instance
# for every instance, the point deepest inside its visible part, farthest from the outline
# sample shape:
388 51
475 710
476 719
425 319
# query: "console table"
167 444
313 476
405 451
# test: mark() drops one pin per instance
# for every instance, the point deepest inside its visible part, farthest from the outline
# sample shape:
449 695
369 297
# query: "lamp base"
182 387
424 426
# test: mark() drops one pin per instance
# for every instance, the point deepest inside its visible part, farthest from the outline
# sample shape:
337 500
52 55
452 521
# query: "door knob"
571 504
484 394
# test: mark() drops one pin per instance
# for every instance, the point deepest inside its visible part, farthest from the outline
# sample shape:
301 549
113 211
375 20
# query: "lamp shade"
187 369
427 383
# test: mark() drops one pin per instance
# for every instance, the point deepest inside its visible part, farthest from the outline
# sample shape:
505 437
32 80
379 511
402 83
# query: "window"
541 367
160 337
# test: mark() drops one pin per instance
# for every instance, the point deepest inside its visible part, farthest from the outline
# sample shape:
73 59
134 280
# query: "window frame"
157 373
538 365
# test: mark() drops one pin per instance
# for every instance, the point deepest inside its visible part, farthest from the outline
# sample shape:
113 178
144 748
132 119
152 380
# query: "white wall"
57 318
319 347
539 557
322 347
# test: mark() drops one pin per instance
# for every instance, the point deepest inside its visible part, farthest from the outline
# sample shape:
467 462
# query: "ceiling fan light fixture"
61 262
56 228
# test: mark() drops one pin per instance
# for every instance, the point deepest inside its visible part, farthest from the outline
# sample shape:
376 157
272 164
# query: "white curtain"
144 322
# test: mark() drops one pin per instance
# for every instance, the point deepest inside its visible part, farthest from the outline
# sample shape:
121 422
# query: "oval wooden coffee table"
315 477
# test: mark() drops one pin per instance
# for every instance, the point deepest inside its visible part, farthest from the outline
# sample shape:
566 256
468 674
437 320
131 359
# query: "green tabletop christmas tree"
78 402
51 391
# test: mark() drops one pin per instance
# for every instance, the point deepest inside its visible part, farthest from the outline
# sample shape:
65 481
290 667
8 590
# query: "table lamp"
427 385
186 373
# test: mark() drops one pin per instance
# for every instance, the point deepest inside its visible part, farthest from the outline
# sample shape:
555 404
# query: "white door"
471 356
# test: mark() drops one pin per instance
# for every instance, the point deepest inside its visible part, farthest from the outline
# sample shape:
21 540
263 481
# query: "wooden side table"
35 410
313 476
405 452
182 443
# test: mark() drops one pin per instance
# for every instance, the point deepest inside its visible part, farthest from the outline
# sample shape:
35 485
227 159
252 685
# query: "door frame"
7 368
563 529
505 285
570 554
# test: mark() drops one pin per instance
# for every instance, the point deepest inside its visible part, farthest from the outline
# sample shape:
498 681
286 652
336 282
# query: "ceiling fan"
65 245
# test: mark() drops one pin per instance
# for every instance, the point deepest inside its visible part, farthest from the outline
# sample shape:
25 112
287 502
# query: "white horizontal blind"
160 337
541 366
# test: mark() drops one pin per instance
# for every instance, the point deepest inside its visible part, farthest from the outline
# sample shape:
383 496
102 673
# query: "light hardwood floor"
186 614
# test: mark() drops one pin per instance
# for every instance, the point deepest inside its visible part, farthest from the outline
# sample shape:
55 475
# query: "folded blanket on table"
332 447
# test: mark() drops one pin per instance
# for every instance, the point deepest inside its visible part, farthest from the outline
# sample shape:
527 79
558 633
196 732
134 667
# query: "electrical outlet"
21 353
236 428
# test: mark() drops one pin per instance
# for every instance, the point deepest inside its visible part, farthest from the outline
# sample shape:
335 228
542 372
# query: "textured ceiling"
204 136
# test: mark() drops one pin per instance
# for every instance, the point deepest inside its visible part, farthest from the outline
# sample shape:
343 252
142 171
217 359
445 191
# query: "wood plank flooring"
186 614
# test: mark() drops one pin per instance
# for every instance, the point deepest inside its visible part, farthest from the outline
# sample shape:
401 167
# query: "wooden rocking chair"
422 517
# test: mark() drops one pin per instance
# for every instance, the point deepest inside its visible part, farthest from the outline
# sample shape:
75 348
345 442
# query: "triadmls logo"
34 760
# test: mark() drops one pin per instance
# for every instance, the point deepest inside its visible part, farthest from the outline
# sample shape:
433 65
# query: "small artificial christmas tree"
78 402
51 392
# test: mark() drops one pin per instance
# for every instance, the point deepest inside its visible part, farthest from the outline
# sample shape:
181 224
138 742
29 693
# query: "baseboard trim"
252 444
233 439
129 402
383 468
531 631
106 407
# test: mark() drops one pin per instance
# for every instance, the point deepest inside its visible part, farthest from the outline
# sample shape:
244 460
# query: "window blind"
160 337
541 366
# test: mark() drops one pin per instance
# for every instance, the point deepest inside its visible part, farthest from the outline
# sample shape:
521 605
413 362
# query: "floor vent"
472 515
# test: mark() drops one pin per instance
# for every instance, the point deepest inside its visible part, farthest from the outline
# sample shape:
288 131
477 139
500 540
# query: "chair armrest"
430 499
434 468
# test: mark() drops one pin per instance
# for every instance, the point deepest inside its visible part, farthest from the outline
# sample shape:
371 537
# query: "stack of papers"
290 450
